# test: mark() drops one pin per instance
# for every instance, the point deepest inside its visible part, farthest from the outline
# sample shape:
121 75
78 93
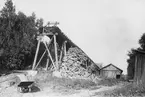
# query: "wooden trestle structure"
55 62
55 48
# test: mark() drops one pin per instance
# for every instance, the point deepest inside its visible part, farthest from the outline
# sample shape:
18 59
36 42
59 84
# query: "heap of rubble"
74 64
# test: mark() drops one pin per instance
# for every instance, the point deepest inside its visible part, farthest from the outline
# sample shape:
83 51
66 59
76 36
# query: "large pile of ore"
74 64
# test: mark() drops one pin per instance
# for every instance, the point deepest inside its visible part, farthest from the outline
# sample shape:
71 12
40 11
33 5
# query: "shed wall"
110 73
139 74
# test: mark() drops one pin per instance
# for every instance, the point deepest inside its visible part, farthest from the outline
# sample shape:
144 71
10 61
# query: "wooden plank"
61 53
56 54
47 64
36 54
48 34
143 72
60 57
135 72
139 68
65 48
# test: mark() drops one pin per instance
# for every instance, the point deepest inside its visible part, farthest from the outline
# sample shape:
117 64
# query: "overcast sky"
105 29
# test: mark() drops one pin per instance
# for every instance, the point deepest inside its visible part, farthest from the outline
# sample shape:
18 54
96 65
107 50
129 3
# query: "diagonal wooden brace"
56 54
40 59
50 55
36 54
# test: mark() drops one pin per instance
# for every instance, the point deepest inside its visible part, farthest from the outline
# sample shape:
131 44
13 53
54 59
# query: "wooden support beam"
40 59
50 55
42 55
36 54
56 54
48 34
47 63
65 48
135 73
61 52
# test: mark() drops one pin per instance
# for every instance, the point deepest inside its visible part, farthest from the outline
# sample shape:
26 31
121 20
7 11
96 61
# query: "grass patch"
45 79
110 81
127 90
131 90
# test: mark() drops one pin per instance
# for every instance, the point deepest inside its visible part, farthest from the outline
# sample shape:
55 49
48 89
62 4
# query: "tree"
142 42
17 33
8 10
39 23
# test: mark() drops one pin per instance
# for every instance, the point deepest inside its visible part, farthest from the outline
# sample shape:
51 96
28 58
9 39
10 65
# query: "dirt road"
47 92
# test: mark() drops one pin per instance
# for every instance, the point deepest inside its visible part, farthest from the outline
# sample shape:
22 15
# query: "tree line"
17 37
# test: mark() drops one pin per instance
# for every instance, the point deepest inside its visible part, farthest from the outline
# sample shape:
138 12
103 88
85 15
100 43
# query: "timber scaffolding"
57 48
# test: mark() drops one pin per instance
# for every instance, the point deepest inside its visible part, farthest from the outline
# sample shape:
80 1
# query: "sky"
104 29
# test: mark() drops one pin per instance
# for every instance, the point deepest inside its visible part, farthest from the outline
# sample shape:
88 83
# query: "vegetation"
17 37
110 81
45 79
128 90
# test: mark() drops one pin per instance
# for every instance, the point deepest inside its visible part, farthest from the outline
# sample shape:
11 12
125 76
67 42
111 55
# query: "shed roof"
113 66
140 52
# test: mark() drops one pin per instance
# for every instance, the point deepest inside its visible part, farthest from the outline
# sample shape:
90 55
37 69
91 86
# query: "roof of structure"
113 66
139 51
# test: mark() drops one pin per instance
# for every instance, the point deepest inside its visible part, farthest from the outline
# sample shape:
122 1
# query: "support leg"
56 54
50 55
36 54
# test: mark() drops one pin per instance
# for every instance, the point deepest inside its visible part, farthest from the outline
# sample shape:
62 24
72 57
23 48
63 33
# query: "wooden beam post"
50 55
56 54
47 63
65 48
42 55
36 54
135 70
61 52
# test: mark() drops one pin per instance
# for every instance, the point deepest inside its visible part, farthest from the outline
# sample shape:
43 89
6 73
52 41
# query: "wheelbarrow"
25 84
25 87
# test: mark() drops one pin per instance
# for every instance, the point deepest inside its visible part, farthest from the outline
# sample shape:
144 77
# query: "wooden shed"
139 70
111 71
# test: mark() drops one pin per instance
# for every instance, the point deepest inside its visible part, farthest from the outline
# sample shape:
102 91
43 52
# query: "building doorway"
118 76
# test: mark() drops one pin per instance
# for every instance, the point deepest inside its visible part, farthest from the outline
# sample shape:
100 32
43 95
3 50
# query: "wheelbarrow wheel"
25 89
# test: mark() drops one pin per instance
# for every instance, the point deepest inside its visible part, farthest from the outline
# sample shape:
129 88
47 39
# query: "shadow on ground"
35 89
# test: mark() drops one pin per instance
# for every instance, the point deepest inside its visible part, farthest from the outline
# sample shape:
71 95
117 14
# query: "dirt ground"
47 85
48 92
